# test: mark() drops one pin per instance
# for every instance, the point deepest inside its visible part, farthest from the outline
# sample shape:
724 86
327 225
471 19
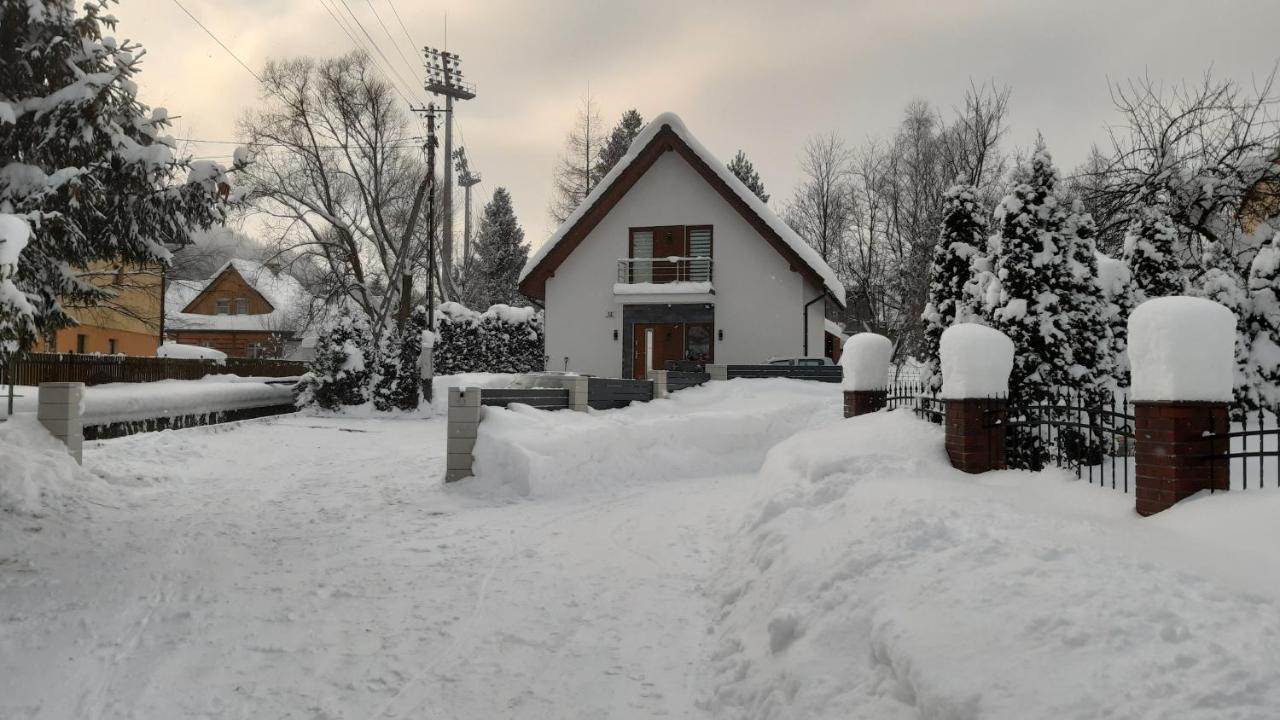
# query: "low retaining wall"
817 373
106 431
611 393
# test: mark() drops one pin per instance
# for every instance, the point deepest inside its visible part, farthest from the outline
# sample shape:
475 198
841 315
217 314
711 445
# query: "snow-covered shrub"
1115 284
1221 282
340 373
503 339
964 232
399 383
1148 250
1262 328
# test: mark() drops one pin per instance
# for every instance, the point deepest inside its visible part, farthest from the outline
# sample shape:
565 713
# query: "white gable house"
672 258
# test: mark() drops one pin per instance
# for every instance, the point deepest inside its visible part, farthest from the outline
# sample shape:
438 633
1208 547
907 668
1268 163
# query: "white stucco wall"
759 299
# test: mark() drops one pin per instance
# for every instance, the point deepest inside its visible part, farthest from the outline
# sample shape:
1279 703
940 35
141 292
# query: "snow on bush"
1182 348
865 360
340 373
37 474
503 339
976 361
875 581
189 352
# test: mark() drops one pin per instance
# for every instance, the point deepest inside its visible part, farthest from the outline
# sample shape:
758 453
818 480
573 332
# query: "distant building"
128 323
247 309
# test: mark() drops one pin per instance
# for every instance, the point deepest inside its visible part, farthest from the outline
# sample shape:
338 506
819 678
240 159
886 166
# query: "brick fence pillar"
975 434
59 411
463 427
1171 452
861 402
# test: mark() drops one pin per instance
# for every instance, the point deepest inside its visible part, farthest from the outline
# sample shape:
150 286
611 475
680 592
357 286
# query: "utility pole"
407 277
467 180
444 77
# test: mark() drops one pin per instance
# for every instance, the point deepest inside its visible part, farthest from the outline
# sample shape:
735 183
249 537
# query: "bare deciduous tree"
576 172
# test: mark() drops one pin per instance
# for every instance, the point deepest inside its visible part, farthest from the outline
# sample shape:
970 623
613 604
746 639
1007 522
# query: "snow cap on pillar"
976 362
865 359
1182 348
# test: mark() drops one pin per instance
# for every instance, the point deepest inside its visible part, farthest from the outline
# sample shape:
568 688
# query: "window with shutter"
642 249
700 247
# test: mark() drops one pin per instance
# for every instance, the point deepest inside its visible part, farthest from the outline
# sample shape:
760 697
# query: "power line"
215 39
378 49
286 145
345 26
390 37
413 47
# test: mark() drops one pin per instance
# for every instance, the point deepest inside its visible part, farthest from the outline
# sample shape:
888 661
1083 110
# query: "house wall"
759 298
235 343
229 285
131 317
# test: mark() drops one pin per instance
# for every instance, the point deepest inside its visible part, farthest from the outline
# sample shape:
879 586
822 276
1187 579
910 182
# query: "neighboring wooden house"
672 258
246 309
128 323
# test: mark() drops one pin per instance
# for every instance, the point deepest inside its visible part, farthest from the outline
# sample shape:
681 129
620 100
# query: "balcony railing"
664 270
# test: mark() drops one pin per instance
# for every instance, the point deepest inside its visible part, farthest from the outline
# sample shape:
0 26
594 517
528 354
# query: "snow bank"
875 581
1182 348
715 429
37 475
976 361
189 352
865 360
121 402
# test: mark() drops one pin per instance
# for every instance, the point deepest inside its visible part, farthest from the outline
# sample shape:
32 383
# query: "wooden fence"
608 393
36 368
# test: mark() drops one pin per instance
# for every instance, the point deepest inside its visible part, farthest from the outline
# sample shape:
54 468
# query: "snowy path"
304 567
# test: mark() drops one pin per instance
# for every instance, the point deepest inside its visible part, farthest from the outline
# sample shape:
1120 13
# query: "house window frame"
112 346
653 233
222 306
241 306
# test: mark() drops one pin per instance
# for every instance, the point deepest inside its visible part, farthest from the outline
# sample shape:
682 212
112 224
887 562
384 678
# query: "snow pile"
715 429
122 402
875 581
39 476
976 361
865 360
189 352
794 242
1182 348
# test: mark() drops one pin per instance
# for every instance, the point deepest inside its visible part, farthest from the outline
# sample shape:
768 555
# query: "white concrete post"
659 380
464 424
59 411
718 372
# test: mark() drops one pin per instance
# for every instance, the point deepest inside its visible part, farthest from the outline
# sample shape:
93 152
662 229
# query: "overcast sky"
761 76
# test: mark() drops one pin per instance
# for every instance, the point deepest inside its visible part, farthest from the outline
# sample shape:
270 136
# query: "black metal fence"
918 398
541 398
609 393
1252 441
819 373
1092 437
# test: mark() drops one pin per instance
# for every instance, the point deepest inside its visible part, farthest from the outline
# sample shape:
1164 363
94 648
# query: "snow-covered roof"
286 295
834 328
794 242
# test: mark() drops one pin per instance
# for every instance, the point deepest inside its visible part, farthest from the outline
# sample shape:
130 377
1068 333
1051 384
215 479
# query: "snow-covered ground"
735 551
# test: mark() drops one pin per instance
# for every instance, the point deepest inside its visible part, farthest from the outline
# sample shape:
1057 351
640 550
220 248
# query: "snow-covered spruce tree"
87 174
1262 327
407 393
1092 368
1116 287
386 366
742 169
1221 282
1149 253
500 252
1028 260
964 231
619 141
340 373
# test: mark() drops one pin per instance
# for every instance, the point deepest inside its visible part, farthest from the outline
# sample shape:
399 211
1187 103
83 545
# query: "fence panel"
609 393
818 373
1251 447
36 368
920 400
541 398
679 380
1093 438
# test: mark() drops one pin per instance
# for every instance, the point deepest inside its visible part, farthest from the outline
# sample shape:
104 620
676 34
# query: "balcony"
668 279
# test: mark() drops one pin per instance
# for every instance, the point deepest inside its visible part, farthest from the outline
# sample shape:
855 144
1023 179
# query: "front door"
668 242
655 344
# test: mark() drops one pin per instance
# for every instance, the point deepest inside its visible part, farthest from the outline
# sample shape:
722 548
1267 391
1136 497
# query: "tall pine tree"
619 141
500 252
1028 259
742 169
1091 370
1262 327
1221 282
87 174
964 232
1148 250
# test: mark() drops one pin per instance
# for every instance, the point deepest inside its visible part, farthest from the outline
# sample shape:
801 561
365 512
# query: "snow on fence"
37 368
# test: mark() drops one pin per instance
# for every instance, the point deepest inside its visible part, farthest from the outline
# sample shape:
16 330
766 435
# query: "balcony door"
668 242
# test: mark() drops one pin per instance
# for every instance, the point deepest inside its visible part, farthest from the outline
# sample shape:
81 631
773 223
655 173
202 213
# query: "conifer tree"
1029 263
1221 282
339 375
1262 328
111 187
964 231
1148 250
500 252
1115 285
617 144
742 169
1092 369
399 383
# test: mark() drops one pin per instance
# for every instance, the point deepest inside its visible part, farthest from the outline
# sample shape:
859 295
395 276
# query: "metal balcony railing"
664 270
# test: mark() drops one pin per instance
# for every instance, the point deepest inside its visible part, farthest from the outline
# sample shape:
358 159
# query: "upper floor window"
223 306
669 253
242 306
